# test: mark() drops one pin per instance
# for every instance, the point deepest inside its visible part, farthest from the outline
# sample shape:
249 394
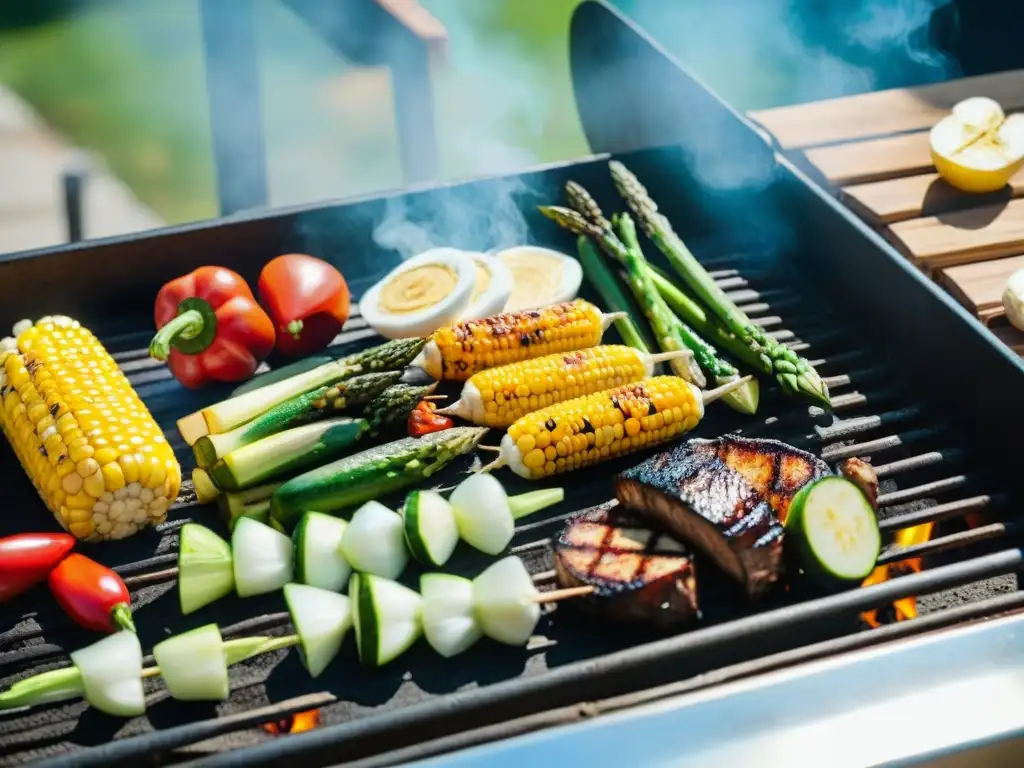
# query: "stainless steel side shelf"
952 698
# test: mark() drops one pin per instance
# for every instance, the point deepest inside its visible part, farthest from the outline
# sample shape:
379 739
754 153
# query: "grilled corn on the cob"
458 351
594 428
497 397
90 446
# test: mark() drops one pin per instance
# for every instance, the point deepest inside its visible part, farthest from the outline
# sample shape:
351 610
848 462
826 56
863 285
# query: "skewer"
708 396
557 595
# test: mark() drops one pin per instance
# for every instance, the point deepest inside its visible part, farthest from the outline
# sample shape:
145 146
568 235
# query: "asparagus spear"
612 296
794 373
667 327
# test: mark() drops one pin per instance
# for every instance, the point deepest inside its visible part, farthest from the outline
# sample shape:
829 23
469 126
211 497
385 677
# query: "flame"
297 723
905 608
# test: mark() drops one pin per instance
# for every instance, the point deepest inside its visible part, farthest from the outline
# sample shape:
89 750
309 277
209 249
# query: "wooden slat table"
872 150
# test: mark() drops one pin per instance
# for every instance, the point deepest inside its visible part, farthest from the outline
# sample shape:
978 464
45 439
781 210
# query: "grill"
912 377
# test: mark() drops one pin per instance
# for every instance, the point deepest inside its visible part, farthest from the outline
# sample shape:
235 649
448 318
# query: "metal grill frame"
858 276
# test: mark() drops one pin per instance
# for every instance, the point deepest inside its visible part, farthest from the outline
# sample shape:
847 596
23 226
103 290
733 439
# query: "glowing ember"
905 608
300 721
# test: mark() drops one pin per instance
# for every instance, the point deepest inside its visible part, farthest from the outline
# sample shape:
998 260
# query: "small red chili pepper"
423 420
27 559
210 328
92 594
308 300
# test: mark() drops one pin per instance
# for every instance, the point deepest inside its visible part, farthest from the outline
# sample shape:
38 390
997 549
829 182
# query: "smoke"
498 112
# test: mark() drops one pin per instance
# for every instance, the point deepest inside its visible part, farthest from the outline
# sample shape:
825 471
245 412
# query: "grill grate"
923 479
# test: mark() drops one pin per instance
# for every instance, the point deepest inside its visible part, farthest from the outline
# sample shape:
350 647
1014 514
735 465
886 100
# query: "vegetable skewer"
794 373
594 428
497 397
457 352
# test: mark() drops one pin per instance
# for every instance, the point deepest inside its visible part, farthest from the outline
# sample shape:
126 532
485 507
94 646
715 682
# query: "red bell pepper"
423 420
307 299
210 328
27 559
92 594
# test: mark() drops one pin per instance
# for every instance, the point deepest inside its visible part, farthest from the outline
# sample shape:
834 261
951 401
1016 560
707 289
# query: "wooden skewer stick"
493 448
557 595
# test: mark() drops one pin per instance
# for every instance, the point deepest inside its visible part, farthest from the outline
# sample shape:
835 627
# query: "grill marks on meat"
694 493
775 470
639 573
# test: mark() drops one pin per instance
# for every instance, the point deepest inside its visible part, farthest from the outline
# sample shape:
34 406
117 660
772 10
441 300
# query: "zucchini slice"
321 620
205 571
193 664
387 618
318 558
430 528
835 529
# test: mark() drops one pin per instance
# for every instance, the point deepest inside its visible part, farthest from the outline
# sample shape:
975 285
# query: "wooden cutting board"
872 151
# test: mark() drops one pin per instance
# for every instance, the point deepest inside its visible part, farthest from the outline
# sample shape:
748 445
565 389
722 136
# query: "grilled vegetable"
794 373
497 397
233 505
288 452
204 486
111 671
387 618
321 619
689 324
424 419
431 532
503 596
638 573
312 406
620 241
210 328
91 594
318 558
612 296
89 444
228 414
457 352
594 428
486 514
280 374
776 471
193 666
263 558
836 531
377 471
28 558
703 501
307 300
205 567
374 541
392 407
449 616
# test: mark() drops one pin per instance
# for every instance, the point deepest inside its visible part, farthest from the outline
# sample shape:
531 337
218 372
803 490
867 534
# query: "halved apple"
977 148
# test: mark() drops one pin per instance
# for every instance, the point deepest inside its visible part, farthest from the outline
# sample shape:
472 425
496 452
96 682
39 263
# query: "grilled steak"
695 494
775 470
639 573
